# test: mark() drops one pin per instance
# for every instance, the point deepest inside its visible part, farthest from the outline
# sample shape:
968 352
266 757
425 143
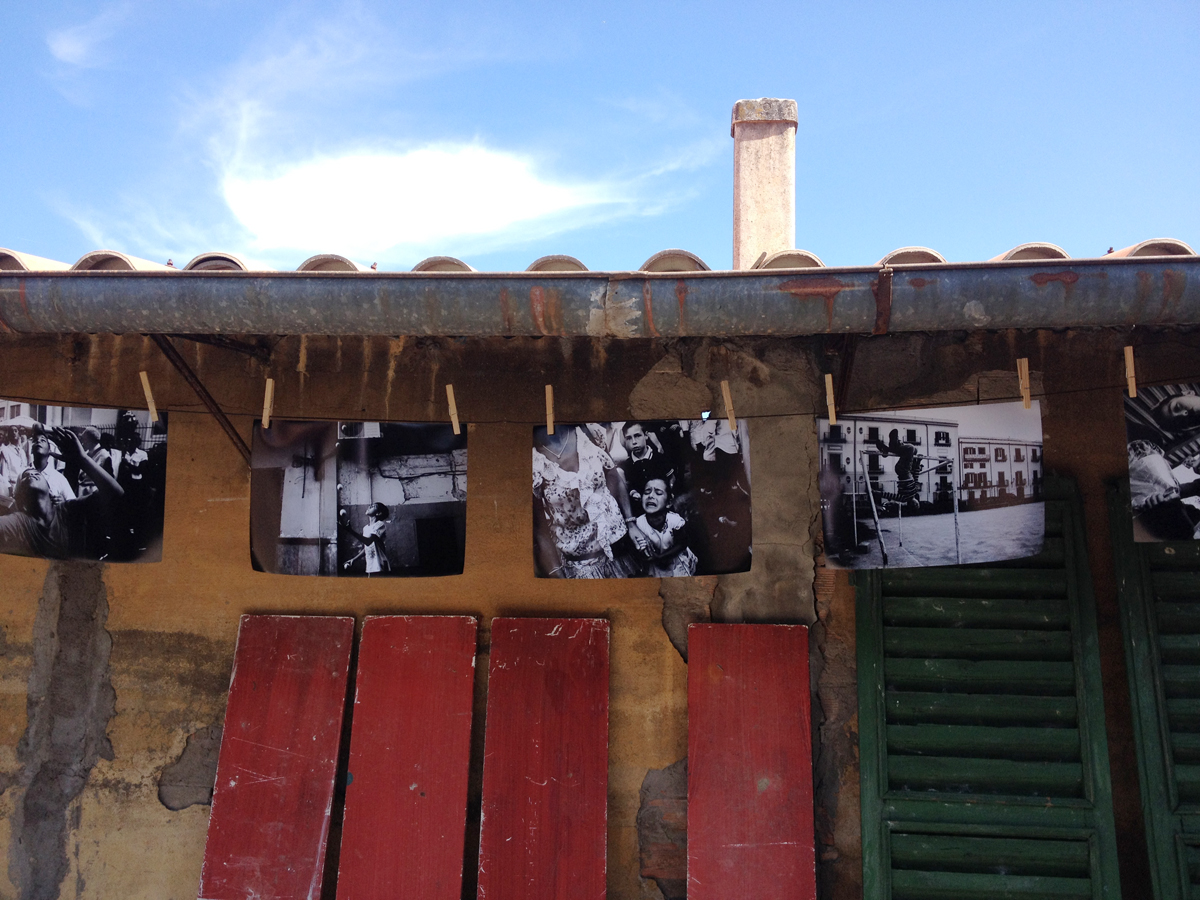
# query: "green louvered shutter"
1159 590
981 727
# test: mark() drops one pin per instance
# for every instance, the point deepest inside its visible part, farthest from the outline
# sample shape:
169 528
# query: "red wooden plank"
410 752
270 812
750 792
545 767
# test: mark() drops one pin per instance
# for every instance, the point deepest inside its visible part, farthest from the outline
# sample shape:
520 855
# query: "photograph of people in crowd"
635 499
81 483
365 499
1162 427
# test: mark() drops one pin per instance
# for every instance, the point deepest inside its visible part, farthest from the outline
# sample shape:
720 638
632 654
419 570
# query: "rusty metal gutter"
865 300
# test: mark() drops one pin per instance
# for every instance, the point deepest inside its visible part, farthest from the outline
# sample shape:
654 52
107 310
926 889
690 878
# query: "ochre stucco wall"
173 624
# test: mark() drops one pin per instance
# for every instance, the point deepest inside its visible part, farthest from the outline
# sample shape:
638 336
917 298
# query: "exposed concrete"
685 602
662 829
189 780
764 178
835 738
70 703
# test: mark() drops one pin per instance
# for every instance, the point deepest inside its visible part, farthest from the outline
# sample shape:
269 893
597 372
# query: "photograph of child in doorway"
374 550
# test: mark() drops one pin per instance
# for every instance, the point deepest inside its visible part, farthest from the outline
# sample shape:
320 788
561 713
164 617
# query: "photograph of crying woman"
651 499
358 499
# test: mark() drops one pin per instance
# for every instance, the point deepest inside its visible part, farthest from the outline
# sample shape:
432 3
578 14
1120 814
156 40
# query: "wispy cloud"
396 204
82 45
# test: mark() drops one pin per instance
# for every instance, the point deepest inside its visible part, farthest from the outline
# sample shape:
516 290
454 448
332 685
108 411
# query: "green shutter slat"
964 676
1176 584
957 582
1187 782
1181 681
1174 555
1185 747
1180 648
977 643
1183 715
985 776
1012 856
912 885
1178 617
979 709
1046 744
962 612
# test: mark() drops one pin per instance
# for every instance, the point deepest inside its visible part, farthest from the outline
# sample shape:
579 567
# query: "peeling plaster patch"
70 703
189 780
685 602
609 315
662 829
975 313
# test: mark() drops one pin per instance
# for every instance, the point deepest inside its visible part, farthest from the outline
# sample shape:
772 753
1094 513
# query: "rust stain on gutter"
546 307
648 304
537 308
681 292
506 315
919 283
1174 283
826 289
882 289
1067 278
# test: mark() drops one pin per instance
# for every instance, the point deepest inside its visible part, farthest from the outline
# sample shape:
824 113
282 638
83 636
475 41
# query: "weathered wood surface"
410 749
269 822
545 770
750 791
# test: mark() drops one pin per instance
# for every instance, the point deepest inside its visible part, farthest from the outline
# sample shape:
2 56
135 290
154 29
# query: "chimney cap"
764 109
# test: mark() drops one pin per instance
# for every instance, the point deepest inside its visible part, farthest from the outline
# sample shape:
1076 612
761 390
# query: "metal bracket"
174 358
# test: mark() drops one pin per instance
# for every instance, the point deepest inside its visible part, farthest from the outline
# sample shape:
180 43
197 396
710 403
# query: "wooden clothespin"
149 396
1023 378
728 397
549 409
453 409
829 399
1130 374
268 402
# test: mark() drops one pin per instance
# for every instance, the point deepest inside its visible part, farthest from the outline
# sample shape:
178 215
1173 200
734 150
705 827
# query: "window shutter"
981 727
1159 590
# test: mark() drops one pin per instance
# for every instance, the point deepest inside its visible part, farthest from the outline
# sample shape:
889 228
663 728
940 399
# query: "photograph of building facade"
1000 471
966 500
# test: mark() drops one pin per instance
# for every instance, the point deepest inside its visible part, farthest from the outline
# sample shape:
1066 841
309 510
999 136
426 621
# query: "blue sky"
503 132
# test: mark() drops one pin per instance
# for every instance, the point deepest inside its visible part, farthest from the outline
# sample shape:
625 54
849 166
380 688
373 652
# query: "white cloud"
81 45
395 204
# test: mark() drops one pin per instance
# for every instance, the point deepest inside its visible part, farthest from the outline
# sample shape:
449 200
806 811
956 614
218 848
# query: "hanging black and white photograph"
358 499
932 487
81 483
1162 428
633 499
